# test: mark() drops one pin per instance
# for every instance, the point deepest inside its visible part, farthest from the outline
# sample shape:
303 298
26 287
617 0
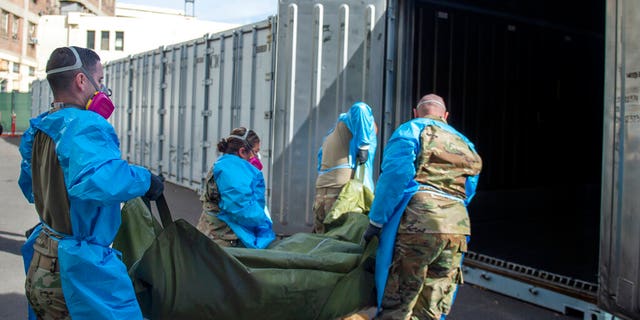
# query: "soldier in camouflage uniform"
74 174
348 143
245 144
43 285
214 228
429 174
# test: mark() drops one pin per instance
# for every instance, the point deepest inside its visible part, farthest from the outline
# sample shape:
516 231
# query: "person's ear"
415 112
243 152
79 79
446 115
84 81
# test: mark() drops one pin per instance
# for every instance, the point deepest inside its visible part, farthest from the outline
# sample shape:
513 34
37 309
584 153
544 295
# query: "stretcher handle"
163 211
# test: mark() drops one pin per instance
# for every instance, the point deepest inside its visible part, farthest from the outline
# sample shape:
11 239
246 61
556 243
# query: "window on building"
16 67
33 39
104 40
91 39
5 24
32 71
119 40
15 27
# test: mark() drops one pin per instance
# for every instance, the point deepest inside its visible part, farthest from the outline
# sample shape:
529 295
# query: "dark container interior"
524 81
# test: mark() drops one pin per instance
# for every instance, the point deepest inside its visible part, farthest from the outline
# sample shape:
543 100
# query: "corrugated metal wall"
330 55
175 103
41 97
619 255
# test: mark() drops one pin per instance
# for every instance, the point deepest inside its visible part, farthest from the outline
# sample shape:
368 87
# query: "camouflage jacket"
442 167
210 196
209 224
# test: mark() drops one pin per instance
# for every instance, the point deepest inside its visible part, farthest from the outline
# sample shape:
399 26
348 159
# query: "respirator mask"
100 102
255 161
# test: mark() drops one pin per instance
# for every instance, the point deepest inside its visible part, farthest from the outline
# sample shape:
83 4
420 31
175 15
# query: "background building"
18 31
133 29
30 30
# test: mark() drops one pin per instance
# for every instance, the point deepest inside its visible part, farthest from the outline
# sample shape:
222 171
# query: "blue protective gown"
242 202
361 123
95 282
396 186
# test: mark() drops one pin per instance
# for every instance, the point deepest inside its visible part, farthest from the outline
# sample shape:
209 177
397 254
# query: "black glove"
372 231
362 156
156 188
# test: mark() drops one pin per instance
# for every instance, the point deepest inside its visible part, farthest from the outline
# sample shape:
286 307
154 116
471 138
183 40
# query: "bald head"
432 105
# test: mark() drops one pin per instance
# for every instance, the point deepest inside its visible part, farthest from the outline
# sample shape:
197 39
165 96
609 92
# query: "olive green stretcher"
179 273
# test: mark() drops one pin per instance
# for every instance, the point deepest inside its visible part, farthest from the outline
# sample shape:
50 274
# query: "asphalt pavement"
17 215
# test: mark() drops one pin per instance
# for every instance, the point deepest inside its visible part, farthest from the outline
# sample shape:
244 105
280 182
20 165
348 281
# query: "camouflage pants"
424 276
218 231
324 200
43 285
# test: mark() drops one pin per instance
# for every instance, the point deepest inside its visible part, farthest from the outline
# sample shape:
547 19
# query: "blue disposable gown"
242 203
361 123
396 186
95 282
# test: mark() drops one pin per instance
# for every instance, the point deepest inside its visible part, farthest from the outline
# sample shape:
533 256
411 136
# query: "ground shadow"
13 306
14 140
7 244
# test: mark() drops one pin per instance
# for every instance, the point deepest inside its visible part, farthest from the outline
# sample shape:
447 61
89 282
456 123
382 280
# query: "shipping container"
547 90
524 80
175 103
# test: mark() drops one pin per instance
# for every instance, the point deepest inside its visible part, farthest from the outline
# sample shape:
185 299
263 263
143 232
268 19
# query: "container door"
239 81
620 228
330 54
